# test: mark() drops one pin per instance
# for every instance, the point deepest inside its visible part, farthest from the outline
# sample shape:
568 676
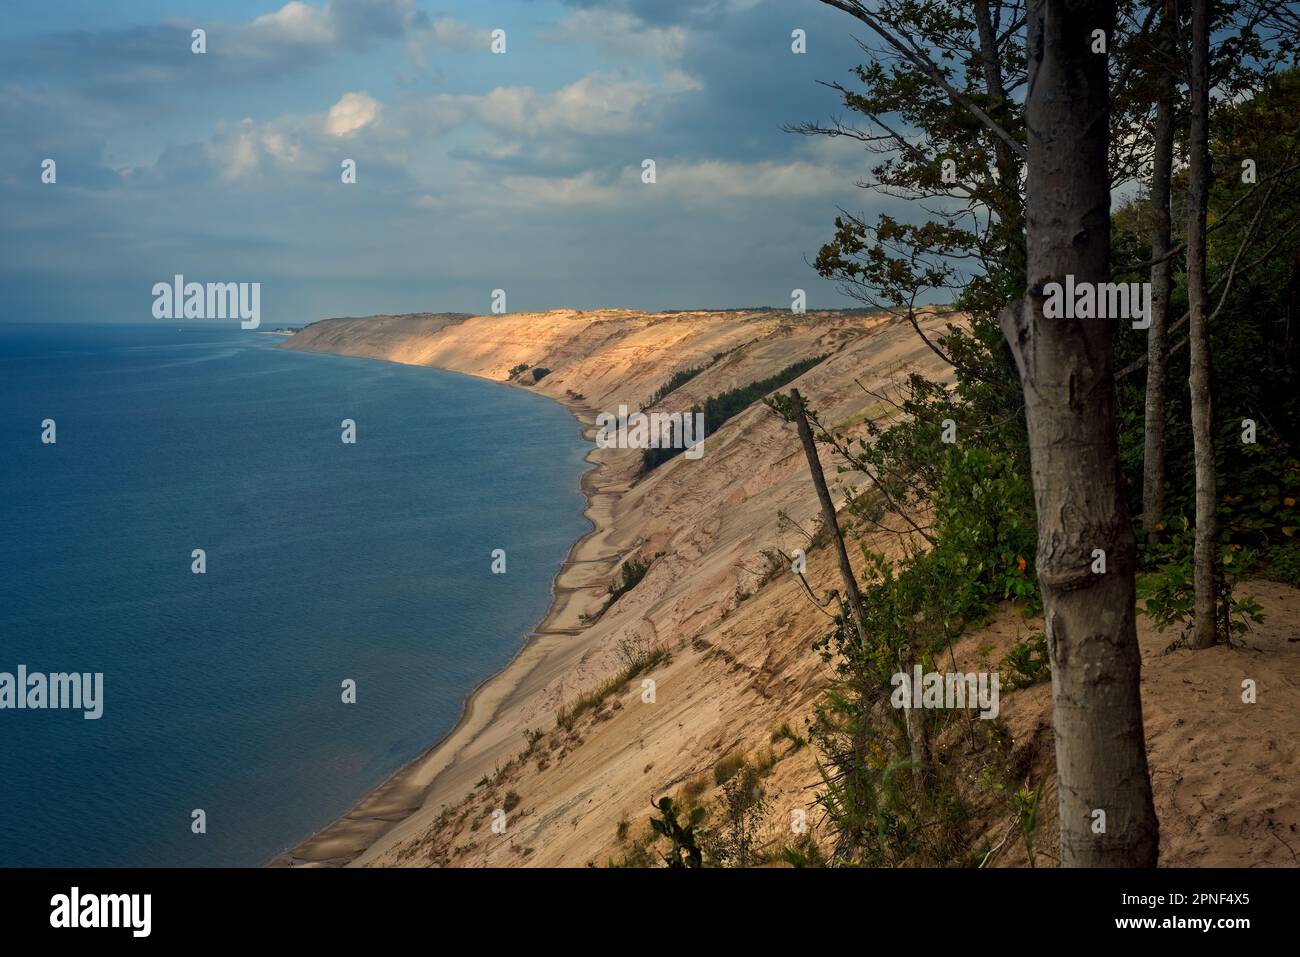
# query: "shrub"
728 766
675 382
743 809
568 715
804 852
787 733
685 851
718 409
633 571
1169 592
1027 662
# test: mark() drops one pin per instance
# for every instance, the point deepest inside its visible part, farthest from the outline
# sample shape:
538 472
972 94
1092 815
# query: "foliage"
1027 801
728 766
1254 273
634 570
1283 563
978 550
870 798
963 515
787 733
1169 590
719 408
675 382
1027 662
986 528
743 809
804 852
568 715
685 851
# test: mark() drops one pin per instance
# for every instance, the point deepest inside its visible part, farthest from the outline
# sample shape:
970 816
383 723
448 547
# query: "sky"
475 170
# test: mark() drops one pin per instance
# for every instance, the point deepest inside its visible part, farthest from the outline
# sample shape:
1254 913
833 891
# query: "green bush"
634 570
1027 662
685 851
675 382
718 409
1169 592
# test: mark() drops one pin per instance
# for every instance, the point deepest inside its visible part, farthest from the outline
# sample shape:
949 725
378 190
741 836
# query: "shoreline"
408 789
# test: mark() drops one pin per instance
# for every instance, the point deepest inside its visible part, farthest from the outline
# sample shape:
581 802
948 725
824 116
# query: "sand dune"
741 659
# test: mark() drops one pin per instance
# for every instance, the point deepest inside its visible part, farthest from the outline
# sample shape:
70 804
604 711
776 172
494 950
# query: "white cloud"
233 151
595 104
584 189
295 23
429 116
283 147
299 27
449 34
696 183
353 112
620 34
712 180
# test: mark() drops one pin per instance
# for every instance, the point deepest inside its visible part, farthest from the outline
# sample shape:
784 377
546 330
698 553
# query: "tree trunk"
1008 168
1153 458
1010 216
917 742
828 514
1198 187
1068 378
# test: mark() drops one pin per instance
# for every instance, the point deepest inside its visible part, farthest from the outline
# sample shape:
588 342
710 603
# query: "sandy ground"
1225 774
711 516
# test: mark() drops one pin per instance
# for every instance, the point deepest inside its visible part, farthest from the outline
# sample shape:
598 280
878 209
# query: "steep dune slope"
740 633
704 523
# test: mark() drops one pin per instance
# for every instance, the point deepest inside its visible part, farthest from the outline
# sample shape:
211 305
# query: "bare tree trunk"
918 746
1198 195
828 514
1068 378
1007 166
1153 459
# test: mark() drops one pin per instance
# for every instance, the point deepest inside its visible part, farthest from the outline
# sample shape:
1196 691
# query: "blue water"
325 562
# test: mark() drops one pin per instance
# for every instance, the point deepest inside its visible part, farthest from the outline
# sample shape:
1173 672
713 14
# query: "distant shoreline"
408 789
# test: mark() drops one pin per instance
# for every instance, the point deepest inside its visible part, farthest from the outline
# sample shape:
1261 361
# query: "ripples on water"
325 562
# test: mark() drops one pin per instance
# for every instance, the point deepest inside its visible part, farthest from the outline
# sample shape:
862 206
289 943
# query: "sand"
610 358
742 665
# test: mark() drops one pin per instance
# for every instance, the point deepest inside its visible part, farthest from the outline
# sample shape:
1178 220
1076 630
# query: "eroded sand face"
742 663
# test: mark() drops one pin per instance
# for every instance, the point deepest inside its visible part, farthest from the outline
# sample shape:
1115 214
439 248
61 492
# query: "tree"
1198 198
1067 374
916 731
1153 459
942 102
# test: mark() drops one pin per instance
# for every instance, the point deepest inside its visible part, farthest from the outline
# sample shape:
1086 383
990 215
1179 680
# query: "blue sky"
475 171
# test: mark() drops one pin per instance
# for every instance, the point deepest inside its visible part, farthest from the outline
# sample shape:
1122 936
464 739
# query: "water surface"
325 562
